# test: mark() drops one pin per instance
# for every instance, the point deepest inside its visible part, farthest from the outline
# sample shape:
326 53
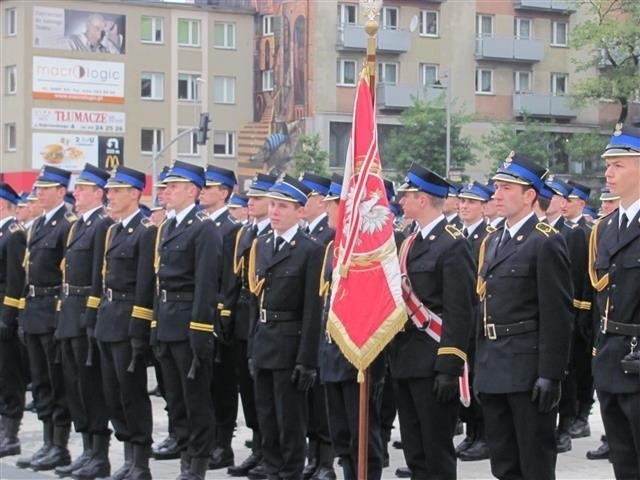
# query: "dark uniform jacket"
126 307
526 280
322 232
45 249
12 249
82 275
192 251
290 289
617 255
476 237
441 272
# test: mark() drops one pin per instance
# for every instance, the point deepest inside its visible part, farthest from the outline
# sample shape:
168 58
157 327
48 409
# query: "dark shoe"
98 465
198 468
248 444
154 392
10 443
479 450
58 455
600 453
403 472
221 457
140 467
312 460
580 428
563 441
122 472
47 443
85 456
324 473
257 473
326 455
167 449
241 470
397 444
463 445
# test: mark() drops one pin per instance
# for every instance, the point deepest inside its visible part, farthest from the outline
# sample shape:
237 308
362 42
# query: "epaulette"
453 231
203 216
146 223
15 227
490 228
545 229
70 217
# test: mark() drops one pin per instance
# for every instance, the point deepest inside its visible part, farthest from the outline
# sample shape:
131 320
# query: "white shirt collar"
494 223
451 217
86 215
170 214
183 213
514 229
314 223
631 212
288 235
217 213
577 219
426 230
52 212
125 221
262 224
5 220
28 224
472 228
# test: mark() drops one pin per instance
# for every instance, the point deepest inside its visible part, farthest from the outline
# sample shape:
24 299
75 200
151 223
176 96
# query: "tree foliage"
422 138
309 157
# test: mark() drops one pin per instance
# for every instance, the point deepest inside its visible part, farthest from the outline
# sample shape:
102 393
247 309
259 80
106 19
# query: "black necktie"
506 236
624 222
307 230
254 231
465 232
171 226
277 244
39 223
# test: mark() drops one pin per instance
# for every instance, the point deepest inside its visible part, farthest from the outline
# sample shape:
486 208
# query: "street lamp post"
448 133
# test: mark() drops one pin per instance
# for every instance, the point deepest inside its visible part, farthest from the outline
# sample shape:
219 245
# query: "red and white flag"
367 309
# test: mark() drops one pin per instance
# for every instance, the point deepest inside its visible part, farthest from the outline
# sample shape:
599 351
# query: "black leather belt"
115 295
166 296
273 316
42 291
69 290
493 331
617 328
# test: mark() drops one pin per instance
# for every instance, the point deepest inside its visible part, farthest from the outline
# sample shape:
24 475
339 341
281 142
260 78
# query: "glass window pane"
183 31
146 29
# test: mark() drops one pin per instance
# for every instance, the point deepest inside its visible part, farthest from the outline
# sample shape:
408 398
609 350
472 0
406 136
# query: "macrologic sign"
74 79
84 120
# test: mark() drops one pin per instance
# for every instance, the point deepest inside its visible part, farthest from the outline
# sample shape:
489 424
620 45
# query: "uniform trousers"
343 402
245 386
427 428
388 408
621 418
192 396
281 415
224 391
125 393
47 381
83 387
521 440
13 378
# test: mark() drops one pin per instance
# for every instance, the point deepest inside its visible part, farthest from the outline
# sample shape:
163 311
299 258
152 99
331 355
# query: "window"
188 87
521 82
339 137
484 26
347 14
389 18
11 22
428 74
188 143
559 83
267 80
346 72
224 35
429 23
559 33
188 33
149 136
10 137
11 80
224 89
522 28
151 30
387 73
267 25
484 81
152 85
224 144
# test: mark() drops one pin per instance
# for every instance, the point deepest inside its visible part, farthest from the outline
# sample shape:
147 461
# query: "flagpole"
371 10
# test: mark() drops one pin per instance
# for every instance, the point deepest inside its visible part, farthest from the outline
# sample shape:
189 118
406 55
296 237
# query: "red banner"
367 308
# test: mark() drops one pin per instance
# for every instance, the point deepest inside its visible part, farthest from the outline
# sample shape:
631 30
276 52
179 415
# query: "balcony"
353 37
556 6
510 49
536 105
399 97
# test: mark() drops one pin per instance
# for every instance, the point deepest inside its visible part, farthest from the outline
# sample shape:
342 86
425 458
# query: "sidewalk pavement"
572 465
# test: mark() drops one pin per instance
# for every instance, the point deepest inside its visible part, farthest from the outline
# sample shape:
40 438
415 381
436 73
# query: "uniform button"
491 276
613 285
611 307
489 317
489 296
613 265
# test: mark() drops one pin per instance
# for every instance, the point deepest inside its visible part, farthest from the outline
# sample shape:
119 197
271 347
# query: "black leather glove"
303 377
445 387
201 344
6 332
631 363
252 370
546 393
140 349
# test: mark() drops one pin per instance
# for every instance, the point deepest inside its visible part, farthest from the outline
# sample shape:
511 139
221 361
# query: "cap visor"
281 196
81 181
254 192
503 177
471 196
329 198
620 152
116 184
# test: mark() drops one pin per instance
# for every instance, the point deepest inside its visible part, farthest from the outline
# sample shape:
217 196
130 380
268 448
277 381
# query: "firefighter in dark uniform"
319 452
614 258
241 307
524 333
238 204
339 377
45 248
12 369
451 205
188 263
426 371
473 199
82 284
219 184
285 336
124 319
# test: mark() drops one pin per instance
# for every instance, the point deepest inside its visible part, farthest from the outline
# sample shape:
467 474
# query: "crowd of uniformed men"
227 296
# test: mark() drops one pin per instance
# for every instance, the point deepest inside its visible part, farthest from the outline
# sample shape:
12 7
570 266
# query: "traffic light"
203 129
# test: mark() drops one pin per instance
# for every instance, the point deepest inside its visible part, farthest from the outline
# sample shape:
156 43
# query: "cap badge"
618 131
508 160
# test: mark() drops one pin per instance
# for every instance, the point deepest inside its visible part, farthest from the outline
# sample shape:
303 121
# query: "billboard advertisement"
71 152
110 152
83 120
63 29
74 79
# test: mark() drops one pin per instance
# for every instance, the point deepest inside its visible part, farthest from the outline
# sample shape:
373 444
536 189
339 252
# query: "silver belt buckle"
603 324
109 294
490 331
65 289
263 315
163 296
32 291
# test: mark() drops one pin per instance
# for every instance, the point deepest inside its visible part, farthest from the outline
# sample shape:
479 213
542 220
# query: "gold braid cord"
107 241
325 286
63 263
237 263
598 283
481 284
255 285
